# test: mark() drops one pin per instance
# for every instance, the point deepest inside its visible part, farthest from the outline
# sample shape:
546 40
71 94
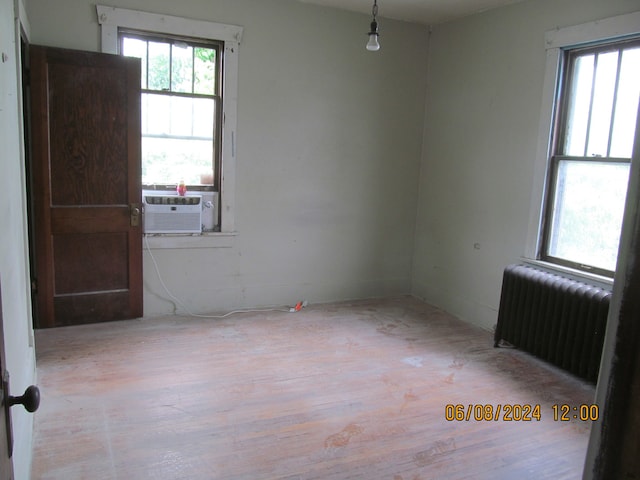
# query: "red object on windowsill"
181 188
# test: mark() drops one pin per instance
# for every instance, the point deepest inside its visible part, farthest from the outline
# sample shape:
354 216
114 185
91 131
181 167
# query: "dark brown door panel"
86 169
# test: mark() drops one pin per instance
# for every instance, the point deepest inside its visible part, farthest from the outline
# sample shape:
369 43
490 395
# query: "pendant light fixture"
372 44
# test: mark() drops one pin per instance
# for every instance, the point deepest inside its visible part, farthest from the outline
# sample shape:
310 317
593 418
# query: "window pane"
169 160
624 126
602 104
132 47
588 210
177 116
579 103
158 66
203 117
182 68
205 71
177 139
156 117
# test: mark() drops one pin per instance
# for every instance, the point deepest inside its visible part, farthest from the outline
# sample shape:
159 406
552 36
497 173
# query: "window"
181 99
590 155
225 40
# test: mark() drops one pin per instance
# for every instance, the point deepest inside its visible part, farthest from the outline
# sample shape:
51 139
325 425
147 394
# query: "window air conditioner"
172 213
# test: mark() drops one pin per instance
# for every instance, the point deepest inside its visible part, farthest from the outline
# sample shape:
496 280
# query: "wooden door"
85 113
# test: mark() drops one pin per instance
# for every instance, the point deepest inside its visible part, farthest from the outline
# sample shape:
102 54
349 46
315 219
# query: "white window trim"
555 42
110 19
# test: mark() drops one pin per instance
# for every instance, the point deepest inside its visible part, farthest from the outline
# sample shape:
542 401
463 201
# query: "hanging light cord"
374 9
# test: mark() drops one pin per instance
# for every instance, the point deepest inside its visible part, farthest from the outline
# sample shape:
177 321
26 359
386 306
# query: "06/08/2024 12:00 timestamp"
519 412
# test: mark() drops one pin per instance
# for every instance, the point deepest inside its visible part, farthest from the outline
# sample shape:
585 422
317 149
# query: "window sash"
562 154
552 222
612 107
172 40
216 133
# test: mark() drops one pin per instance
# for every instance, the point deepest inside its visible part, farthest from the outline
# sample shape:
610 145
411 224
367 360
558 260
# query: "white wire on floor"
184 306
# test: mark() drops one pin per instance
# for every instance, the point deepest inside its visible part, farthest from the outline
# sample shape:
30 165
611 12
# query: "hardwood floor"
341 391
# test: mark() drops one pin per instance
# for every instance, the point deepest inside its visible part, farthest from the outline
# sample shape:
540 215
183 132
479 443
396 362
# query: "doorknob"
30 399
134 210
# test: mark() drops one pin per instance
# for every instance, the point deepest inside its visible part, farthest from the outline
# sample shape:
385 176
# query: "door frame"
28 165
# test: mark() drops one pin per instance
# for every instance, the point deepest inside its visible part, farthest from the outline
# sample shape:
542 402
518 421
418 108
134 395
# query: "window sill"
179 241
589 278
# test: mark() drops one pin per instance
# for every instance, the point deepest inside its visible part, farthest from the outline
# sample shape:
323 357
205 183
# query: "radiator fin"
555 318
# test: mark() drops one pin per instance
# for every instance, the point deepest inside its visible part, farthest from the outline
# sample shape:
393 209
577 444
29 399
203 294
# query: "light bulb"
372 44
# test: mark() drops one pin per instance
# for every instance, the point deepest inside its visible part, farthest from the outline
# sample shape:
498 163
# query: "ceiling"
428 12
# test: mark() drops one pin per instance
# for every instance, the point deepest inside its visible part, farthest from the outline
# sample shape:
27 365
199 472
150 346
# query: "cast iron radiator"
555 318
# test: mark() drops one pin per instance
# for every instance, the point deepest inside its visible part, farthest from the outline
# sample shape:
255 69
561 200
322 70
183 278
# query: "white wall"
329 146
14 276
483 108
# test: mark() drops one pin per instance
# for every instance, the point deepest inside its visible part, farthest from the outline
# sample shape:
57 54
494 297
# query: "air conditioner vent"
172 214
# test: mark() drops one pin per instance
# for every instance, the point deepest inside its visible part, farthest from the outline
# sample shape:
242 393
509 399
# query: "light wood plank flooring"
341 391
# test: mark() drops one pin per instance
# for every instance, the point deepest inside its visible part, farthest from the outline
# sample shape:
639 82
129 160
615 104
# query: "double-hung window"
181 104
189 106
590 154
